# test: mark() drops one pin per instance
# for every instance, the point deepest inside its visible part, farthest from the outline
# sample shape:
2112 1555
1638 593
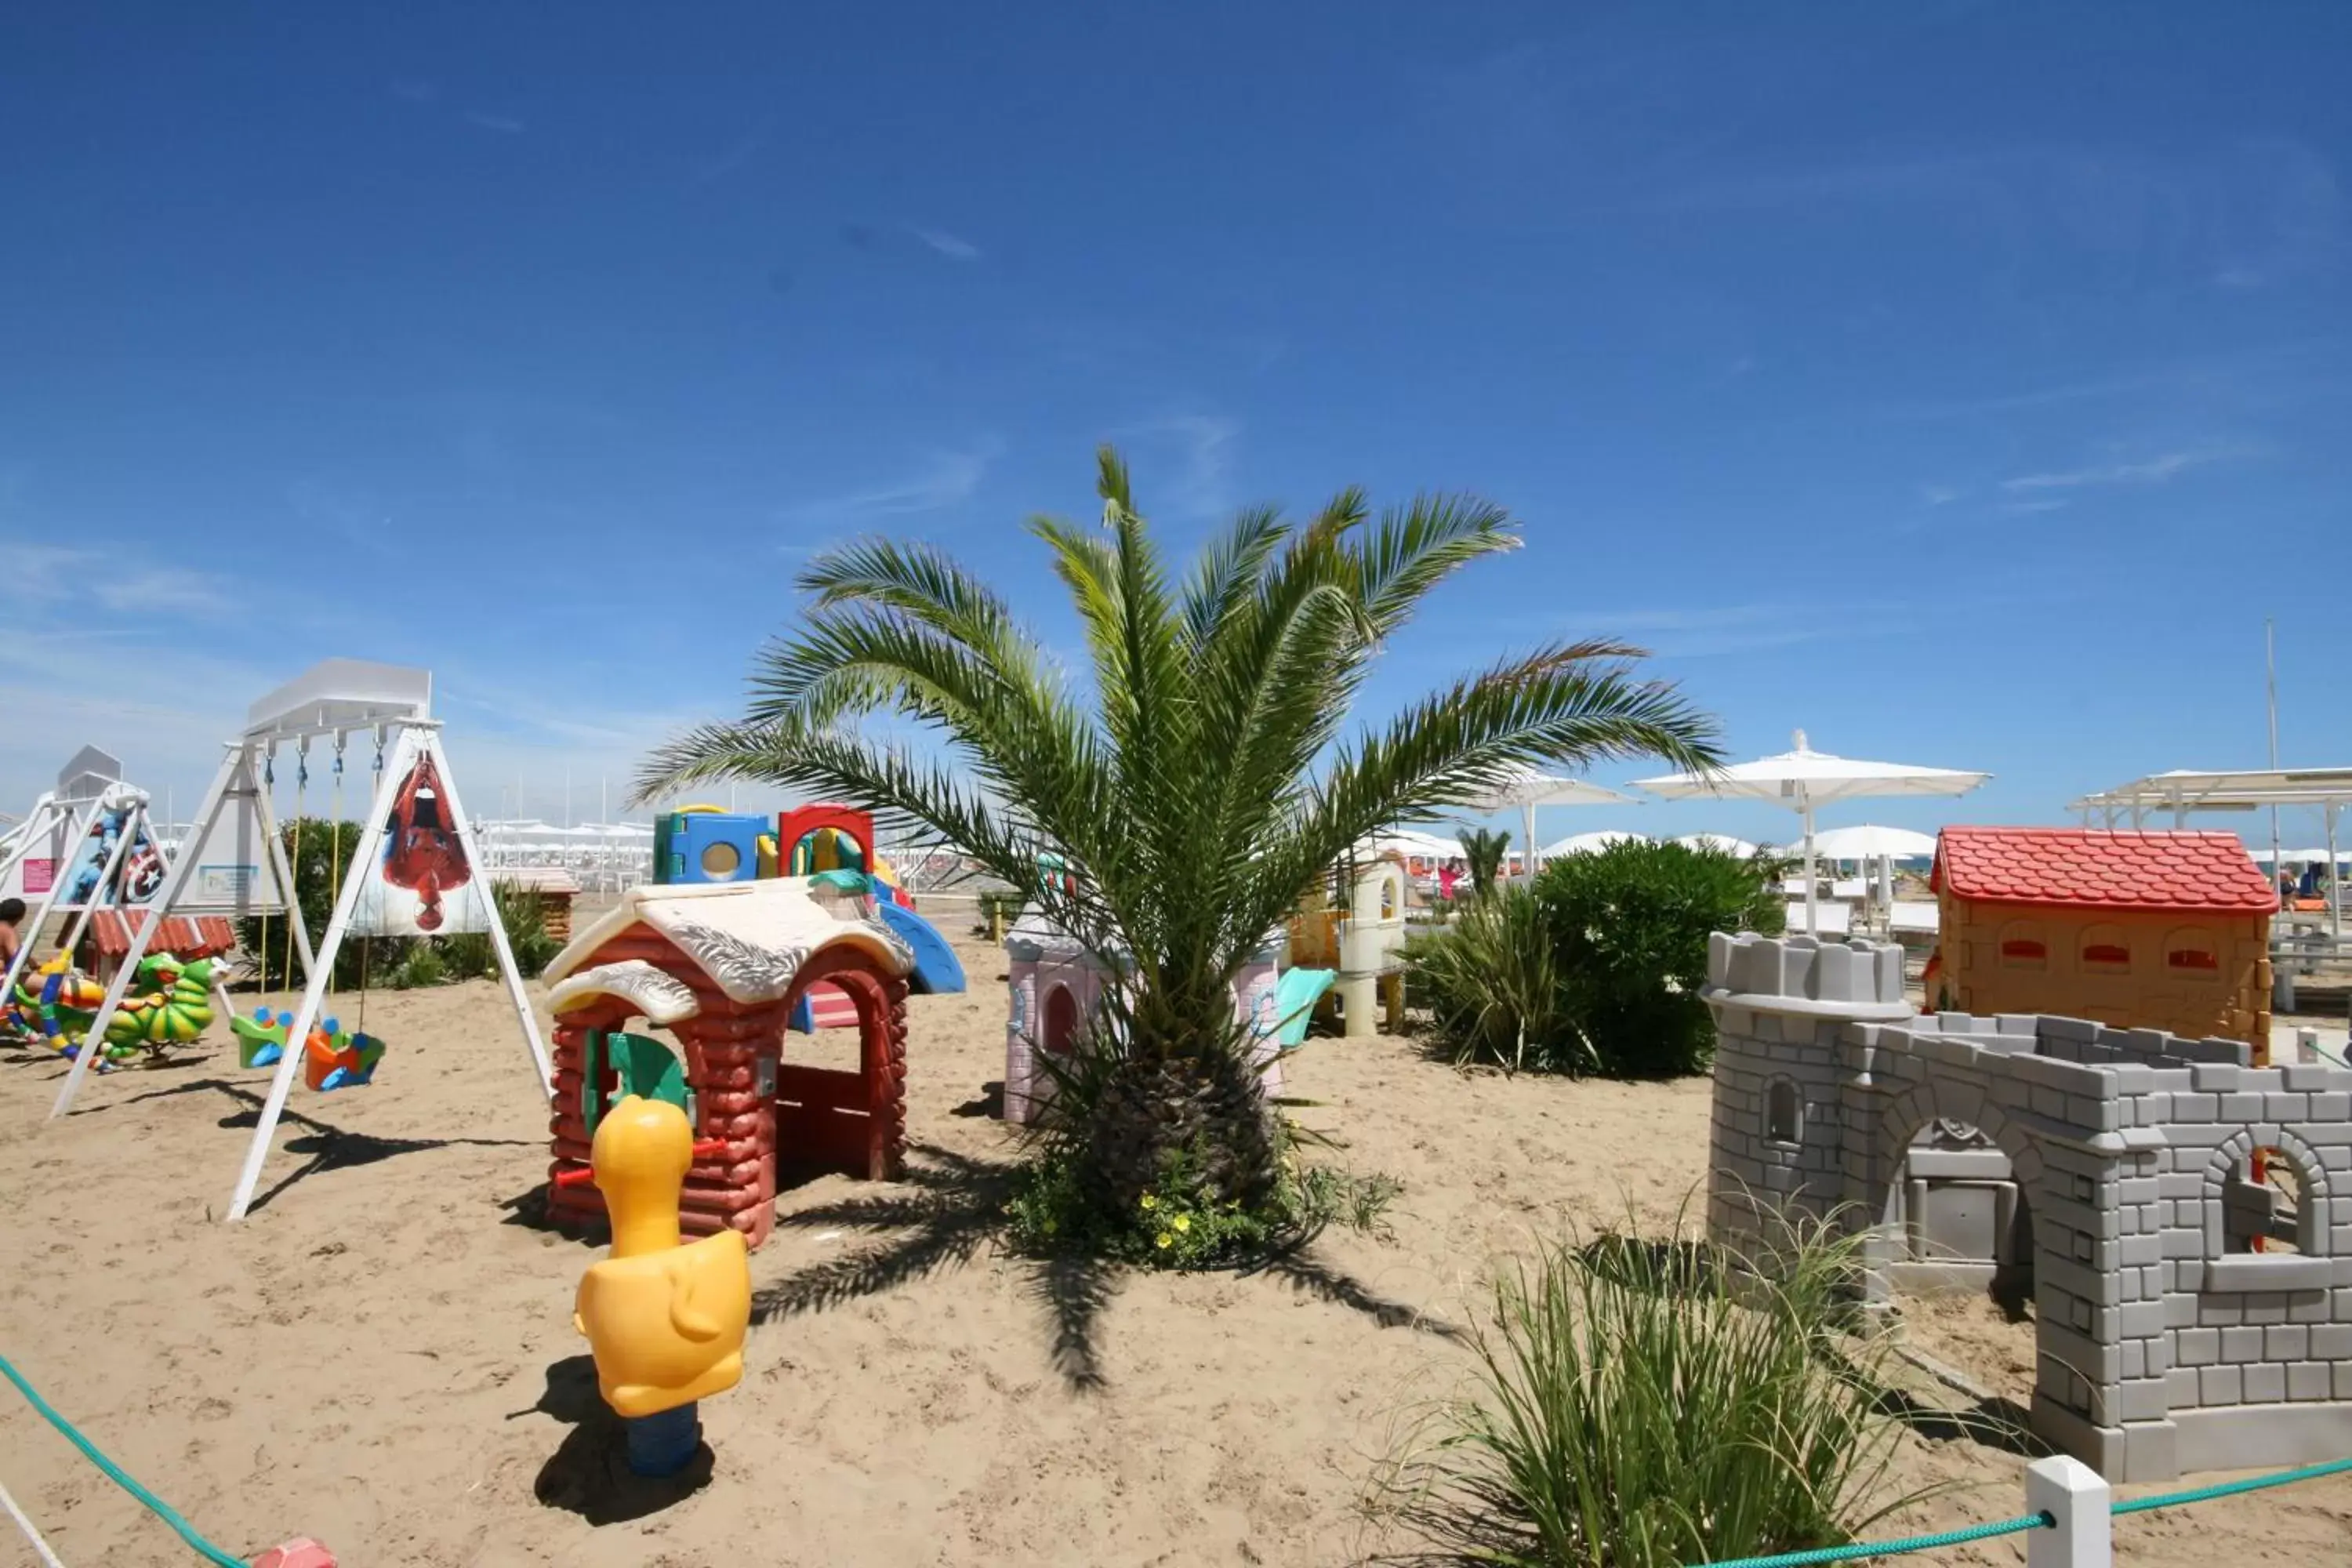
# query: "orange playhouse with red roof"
2136 930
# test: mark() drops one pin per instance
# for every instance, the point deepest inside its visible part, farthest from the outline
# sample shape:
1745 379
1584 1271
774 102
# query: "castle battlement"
2181 1218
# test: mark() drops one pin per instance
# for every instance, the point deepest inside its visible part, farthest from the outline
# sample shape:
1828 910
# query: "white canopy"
1417 844
1803 779
1588 843
1528 788
1721 843
1871 842
2302 856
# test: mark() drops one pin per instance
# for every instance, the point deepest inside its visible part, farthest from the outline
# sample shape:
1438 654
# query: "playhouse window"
2271 1209
2193 949
2106 949
1784 1116
2022 947
721 861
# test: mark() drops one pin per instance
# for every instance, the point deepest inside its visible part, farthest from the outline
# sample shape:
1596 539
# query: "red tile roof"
2206 873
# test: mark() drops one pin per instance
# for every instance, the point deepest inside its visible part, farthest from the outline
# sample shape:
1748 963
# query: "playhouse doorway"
1061 1021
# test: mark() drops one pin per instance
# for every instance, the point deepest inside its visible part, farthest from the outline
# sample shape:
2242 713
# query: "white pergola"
2187 790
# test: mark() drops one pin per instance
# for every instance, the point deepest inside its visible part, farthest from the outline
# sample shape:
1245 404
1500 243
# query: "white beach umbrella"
1528 788
1591 843
1721 843
1870 842
1804 779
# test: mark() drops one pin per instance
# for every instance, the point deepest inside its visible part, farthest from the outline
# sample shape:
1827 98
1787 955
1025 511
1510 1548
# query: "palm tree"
1484 847
1198 784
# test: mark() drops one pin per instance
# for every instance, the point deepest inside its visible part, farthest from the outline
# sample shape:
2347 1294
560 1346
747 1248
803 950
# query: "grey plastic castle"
2105 1173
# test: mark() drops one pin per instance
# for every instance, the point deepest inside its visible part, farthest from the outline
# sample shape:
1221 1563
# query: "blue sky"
1962 383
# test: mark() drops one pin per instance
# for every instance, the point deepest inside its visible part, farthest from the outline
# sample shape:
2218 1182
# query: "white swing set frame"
334 700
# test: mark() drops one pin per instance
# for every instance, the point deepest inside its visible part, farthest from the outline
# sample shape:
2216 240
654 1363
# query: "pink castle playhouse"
1057 985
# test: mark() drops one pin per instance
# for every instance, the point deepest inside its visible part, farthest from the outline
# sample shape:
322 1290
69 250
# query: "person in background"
2309 887
11 915
1447 875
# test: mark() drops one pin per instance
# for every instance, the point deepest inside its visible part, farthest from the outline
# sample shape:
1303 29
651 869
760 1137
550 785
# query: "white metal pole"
94 1038
2334 876
1527 844
76 829
2080 1506
40 1547
132 823
1812 883
465 829
404 756
2269 670
46 816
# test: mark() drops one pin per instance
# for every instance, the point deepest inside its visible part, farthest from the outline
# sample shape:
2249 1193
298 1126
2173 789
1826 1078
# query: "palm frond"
1201 778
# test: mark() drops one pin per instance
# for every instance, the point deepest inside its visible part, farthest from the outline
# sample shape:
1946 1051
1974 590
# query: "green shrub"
321 853
471 955
1599 968
1640 1402
1629 925
1494 988
423 967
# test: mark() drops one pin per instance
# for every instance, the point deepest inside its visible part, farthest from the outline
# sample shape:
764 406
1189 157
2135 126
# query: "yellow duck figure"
664 1321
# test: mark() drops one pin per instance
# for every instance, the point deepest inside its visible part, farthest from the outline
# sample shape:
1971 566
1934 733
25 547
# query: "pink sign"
40 876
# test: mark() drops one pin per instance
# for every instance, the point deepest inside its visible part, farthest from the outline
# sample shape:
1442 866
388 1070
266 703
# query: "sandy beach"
383 1357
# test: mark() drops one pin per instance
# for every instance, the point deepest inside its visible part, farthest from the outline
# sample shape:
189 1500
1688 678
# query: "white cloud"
1708 631
62 577
952 246
2154 471
1940 495
2027 507
734 158
1198 483
504 124
946 480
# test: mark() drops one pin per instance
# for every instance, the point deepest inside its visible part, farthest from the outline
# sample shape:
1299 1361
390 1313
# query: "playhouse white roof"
748 938
1035 935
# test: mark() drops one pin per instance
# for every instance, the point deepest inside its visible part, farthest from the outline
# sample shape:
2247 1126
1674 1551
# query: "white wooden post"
95 1036
464 828
2078 1498
76 829
404 756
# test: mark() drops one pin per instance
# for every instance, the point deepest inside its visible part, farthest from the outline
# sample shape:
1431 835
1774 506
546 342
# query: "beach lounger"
1916 917
1831 918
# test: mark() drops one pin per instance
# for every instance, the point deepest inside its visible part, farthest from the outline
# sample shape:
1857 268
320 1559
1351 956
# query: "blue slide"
935 967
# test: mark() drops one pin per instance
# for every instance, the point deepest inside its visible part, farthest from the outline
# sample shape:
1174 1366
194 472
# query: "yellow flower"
1150 1202
1166 1240
1182 1221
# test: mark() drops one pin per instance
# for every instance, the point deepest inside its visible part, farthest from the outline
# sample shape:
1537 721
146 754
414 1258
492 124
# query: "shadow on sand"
588 1472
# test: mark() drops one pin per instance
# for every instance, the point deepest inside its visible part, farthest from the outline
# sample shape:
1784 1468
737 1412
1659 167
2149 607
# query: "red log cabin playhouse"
720 966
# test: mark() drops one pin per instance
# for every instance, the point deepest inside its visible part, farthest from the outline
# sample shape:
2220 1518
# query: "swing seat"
260 1039
332 1060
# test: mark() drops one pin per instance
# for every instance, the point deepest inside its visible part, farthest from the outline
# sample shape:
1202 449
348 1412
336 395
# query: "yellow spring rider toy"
665 1319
